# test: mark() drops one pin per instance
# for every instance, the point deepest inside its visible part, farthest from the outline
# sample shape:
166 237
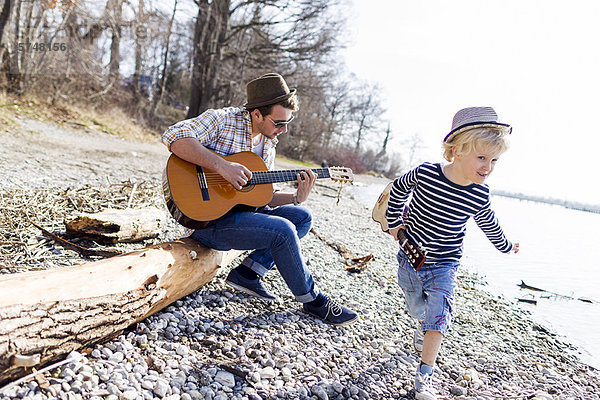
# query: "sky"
536 62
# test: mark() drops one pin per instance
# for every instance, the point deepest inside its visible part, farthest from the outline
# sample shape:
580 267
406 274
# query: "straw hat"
481 117
267 89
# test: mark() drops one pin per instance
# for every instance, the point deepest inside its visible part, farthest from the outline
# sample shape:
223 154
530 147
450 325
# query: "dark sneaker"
252 287
331 312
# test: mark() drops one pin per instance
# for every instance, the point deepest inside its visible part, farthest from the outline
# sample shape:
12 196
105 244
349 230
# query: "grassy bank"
111 120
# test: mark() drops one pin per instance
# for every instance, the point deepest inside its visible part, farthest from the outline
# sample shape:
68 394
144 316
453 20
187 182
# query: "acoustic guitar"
414 253
196 195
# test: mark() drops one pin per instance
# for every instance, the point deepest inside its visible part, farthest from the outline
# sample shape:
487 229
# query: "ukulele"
414 253
196 195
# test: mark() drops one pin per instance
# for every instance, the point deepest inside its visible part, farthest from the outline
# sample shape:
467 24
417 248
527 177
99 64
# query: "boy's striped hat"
467 118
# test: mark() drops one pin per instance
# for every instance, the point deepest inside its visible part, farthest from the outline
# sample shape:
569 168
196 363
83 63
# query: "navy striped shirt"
438 211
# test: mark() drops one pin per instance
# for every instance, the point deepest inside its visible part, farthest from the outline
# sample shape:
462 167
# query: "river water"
559 253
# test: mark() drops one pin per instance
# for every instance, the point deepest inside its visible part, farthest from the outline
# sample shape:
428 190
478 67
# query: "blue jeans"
274 235
429 292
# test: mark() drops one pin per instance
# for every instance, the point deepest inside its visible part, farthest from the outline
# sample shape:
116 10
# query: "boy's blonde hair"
490 139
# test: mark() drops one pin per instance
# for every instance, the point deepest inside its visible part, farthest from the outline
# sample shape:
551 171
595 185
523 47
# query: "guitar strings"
263 173
260 177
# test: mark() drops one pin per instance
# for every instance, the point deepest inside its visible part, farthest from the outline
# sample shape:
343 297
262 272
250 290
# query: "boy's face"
477 165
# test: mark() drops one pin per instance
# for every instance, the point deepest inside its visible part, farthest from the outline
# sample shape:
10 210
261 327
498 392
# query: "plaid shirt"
225 131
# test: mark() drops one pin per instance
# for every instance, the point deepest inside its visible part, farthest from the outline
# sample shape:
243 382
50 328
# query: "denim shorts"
429 292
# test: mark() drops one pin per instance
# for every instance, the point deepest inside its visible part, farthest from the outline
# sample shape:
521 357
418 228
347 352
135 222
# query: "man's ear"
257 114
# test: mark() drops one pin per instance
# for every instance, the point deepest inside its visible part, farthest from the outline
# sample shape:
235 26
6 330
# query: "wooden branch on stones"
47 314
112 226
72 246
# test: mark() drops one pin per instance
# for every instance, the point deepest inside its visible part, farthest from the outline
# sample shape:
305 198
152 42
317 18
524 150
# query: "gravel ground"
220 344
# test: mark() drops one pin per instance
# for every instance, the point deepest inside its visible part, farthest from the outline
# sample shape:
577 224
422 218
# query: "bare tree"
235 40
386 139
4 23
229 43
160 90
412 145
211 27
366 112
30 34
114 18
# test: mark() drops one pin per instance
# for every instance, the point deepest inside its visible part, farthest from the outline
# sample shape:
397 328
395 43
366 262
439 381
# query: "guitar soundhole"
246 188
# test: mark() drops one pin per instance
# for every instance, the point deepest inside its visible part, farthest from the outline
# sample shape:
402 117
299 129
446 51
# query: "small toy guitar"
414 252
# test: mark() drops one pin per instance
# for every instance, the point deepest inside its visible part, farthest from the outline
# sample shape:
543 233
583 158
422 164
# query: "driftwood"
529 301
523 285
72 246
353 263
112 226
47 314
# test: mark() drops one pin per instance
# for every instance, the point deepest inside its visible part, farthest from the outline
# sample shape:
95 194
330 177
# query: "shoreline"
486 267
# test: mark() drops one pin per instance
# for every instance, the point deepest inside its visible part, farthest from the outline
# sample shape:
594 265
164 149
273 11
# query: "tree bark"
14 78
201 30
140 44
47 314
210 76
158 97
4 19
116 12
5 37
210 32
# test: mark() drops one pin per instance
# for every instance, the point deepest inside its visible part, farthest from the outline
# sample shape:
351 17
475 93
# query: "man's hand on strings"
306 182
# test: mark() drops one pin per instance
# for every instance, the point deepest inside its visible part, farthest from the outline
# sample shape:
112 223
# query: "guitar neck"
288 175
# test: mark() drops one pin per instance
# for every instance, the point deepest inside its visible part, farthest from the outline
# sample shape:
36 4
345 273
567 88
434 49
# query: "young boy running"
442 198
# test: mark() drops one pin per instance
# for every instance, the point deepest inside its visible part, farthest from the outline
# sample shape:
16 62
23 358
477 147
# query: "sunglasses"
281 124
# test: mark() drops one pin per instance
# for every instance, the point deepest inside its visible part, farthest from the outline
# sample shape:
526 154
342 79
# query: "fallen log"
47 314
112 226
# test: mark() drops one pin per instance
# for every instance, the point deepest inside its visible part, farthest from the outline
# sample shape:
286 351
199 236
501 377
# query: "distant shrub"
343 156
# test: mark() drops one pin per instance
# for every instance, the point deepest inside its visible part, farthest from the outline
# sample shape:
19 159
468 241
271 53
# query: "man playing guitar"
273 232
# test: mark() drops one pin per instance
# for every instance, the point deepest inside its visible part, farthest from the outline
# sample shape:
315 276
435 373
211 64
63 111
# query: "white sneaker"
424 387
418 339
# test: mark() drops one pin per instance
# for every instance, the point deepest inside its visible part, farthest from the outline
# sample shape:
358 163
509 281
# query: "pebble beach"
219 344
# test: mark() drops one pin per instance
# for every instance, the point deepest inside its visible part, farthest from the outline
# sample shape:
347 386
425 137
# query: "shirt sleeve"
486 220
399 195
203 127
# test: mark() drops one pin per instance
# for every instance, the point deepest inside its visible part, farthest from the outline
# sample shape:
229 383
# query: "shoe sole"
424 396
349 322
418 346
248 291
